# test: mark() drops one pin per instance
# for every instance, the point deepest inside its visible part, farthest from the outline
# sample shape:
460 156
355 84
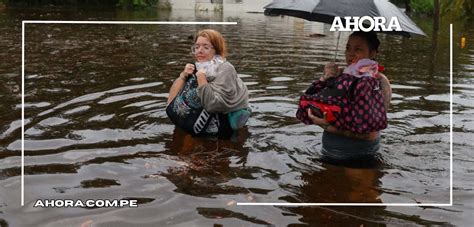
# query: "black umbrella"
326 10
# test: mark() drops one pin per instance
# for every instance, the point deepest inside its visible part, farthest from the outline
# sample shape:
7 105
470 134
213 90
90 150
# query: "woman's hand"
179 83
201 77
330 70
321 122
188 70
201 73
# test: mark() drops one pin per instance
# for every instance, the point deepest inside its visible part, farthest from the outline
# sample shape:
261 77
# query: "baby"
364 67
341 99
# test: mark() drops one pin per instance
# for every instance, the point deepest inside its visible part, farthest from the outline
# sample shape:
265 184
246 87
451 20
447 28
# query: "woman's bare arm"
178 84
386 90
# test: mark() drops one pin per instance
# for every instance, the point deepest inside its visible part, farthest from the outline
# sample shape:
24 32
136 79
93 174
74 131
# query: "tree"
458 8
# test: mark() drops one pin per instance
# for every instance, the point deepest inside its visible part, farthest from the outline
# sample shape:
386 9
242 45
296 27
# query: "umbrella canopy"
326 10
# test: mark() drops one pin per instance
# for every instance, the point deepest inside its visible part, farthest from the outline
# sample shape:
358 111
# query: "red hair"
216 40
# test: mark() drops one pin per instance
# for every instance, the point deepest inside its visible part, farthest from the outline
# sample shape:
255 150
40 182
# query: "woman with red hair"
208 98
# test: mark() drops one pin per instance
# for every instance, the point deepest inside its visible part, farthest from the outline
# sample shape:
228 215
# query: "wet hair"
216 40
371 38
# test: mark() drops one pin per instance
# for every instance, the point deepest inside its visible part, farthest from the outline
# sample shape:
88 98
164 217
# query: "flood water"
96 128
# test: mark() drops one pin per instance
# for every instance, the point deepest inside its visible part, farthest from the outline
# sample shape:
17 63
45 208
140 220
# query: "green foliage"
422 6
458 8
137 4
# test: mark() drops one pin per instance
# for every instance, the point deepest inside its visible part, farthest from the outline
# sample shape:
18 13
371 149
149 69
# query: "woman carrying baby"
208 98
351 105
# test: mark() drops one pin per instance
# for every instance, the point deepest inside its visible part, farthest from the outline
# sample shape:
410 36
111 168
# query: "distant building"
218 5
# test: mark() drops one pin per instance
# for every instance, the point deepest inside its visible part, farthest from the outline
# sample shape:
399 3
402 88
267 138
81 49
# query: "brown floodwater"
95 126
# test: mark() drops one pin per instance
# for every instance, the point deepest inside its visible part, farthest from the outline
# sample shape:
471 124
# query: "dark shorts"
340 148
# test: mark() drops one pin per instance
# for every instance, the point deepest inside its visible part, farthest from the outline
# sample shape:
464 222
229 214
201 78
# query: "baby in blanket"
339 100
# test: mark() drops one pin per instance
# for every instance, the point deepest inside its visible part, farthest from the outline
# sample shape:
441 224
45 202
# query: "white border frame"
234 23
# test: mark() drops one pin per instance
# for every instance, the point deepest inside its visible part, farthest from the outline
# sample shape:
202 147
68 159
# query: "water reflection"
336 184
207 163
